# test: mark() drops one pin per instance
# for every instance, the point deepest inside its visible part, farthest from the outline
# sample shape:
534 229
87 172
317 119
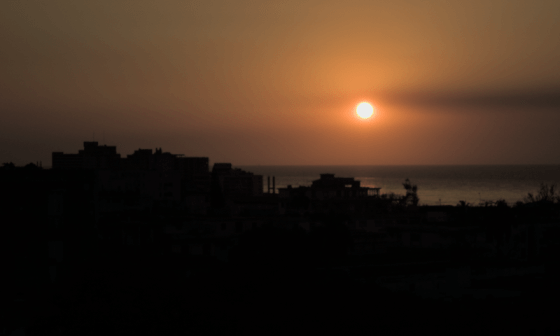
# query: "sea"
437 185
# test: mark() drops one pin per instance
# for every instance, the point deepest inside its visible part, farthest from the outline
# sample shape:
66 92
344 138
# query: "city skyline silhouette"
298 166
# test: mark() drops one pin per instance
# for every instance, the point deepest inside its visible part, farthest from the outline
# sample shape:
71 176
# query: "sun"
364 110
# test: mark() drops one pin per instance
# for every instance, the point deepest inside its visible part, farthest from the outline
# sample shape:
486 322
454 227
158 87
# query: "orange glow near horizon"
283 82
364 110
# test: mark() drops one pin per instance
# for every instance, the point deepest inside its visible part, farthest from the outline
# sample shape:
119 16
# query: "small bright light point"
364 110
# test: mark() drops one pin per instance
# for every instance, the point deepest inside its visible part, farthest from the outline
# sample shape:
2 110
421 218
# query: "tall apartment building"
92 156
158 175
236 182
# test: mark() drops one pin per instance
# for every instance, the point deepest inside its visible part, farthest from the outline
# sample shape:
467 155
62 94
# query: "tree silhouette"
411 193
8 165
501 203
546 194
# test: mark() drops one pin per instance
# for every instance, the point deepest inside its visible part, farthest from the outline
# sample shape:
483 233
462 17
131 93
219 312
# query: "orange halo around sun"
364 110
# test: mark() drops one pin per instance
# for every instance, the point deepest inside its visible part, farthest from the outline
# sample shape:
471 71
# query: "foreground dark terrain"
135 292
158 244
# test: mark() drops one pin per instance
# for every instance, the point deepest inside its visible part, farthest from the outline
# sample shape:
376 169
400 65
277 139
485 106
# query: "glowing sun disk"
364 110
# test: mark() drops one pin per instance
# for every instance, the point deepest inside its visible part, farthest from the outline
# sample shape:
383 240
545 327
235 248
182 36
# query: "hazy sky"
277 82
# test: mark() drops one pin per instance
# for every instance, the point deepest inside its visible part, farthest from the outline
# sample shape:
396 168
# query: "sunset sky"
278 82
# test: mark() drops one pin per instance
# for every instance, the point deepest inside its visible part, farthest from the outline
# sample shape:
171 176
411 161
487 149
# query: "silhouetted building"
328 187
236 182
196 174
92 156
193 171
158 176
48 225
141 159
